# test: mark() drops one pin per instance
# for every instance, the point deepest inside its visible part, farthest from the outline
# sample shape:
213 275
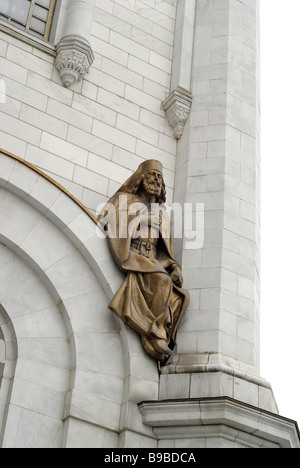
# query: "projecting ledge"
177 107
207 418
211 363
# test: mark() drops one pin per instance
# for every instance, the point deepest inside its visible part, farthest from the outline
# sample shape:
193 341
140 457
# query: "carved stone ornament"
177 107
74 57
151 300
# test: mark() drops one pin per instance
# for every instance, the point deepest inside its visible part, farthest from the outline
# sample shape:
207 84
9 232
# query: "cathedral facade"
89 91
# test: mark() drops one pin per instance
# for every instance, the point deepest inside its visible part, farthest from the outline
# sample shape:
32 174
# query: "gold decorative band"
35 169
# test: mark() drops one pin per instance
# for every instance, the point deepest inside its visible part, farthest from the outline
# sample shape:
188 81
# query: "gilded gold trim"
35 169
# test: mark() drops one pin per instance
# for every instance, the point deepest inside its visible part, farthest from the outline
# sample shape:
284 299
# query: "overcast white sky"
280 306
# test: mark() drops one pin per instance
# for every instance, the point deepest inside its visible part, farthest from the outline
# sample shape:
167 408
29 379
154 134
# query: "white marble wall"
218 351
219 165
71 370
2 356
92 137
89 139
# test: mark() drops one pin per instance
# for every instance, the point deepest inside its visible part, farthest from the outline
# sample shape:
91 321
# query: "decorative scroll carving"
177 107
74 57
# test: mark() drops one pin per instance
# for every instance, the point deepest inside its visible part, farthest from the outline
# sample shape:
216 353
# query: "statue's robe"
148 300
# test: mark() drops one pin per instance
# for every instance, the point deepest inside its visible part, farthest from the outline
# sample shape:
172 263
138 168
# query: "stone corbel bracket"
177 107
74 57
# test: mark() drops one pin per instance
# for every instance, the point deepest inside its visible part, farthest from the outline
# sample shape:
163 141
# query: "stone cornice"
196 417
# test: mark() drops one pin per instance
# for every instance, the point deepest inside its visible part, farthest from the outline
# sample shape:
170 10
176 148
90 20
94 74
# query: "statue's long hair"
134 184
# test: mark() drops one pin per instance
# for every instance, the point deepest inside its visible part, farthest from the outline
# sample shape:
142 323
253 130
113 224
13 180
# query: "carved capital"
74 57
177 107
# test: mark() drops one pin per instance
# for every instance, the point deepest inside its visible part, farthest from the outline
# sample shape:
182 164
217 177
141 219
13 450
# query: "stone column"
74 53
219 165
211 394
178 104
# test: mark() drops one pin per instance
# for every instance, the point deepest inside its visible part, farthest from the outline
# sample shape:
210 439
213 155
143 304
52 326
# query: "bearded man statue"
151 300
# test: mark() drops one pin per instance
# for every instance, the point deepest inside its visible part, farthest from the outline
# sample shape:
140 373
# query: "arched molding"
56 238
11 354
39 359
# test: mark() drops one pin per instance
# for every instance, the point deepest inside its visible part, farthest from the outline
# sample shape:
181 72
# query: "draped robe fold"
148 301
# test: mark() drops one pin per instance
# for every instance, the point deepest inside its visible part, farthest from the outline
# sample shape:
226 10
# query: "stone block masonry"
71 375
91 137
219 165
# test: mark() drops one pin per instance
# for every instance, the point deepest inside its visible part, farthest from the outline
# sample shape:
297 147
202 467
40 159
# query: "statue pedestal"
220 422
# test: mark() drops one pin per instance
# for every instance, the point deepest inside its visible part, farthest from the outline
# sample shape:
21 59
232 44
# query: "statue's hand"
176 276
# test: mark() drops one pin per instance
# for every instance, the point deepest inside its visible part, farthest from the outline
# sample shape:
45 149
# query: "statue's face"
153 183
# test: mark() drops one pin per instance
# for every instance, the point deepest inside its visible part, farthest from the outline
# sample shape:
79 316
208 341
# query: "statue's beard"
152 188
